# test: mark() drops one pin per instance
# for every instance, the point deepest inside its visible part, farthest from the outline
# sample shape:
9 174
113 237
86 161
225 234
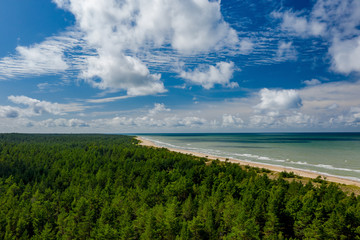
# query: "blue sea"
336 154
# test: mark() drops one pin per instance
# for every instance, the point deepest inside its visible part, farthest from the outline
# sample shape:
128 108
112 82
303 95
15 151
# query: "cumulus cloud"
187 122
350 118
113 43
64 123
318 105
173 122
229 120
312 82
158 107
120 30
333 103
9 112
155 118
282 120
187 25
208 76
122 72
346 55
278 108
198 25
277 100
150 123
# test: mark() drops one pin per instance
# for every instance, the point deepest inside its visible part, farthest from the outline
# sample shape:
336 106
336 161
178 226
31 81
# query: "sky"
143 66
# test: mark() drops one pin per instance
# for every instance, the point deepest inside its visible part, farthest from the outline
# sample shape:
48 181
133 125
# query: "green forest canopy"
108 187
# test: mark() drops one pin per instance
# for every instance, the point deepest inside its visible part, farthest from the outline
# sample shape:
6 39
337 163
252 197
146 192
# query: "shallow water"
327 153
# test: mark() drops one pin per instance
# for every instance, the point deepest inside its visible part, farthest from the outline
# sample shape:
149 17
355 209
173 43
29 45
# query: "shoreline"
302 173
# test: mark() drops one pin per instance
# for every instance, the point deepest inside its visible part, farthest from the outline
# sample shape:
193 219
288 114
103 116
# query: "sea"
332 154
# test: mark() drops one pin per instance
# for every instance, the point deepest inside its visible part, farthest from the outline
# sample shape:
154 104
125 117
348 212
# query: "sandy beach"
301 173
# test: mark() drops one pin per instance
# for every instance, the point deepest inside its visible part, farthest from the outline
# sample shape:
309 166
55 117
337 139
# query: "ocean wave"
288 163
265 160
337 168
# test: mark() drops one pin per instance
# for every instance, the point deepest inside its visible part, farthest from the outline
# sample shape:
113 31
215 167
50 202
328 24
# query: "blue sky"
179 66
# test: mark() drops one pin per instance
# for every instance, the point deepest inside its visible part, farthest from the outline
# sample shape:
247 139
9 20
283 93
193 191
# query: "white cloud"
63 123
330 105
150 123
333 106
120 30
344 94
38 107
122 72
229 120
35 107
278 109
286 51
278 100
341 16
113 42
198 25
350 118
9 112
188 122
114 122
158 107
44 58
299 120
208 76
343 20
190 25
246 46
300 25
282 120
317 106
64 54
312 82
346 55
337 22
106 100
158 117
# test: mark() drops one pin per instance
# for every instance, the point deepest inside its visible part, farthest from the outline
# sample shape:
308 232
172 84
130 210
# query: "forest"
109 187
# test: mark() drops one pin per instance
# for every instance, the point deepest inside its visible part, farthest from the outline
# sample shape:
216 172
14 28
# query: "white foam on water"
253 158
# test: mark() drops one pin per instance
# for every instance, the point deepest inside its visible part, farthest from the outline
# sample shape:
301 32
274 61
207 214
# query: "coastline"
302 173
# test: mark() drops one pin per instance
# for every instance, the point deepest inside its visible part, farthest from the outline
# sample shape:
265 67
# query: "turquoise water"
326 153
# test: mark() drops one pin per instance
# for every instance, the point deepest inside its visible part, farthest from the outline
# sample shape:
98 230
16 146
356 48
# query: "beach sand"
301 173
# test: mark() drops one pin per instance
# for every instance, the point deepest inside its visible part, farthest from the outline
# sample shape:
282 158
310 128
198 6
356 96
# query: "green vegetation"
107 187
285 174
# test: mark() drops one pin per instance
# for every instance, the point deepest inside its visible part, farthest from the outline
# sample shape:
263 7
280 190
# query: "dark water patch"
259 138
244 147
281 140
